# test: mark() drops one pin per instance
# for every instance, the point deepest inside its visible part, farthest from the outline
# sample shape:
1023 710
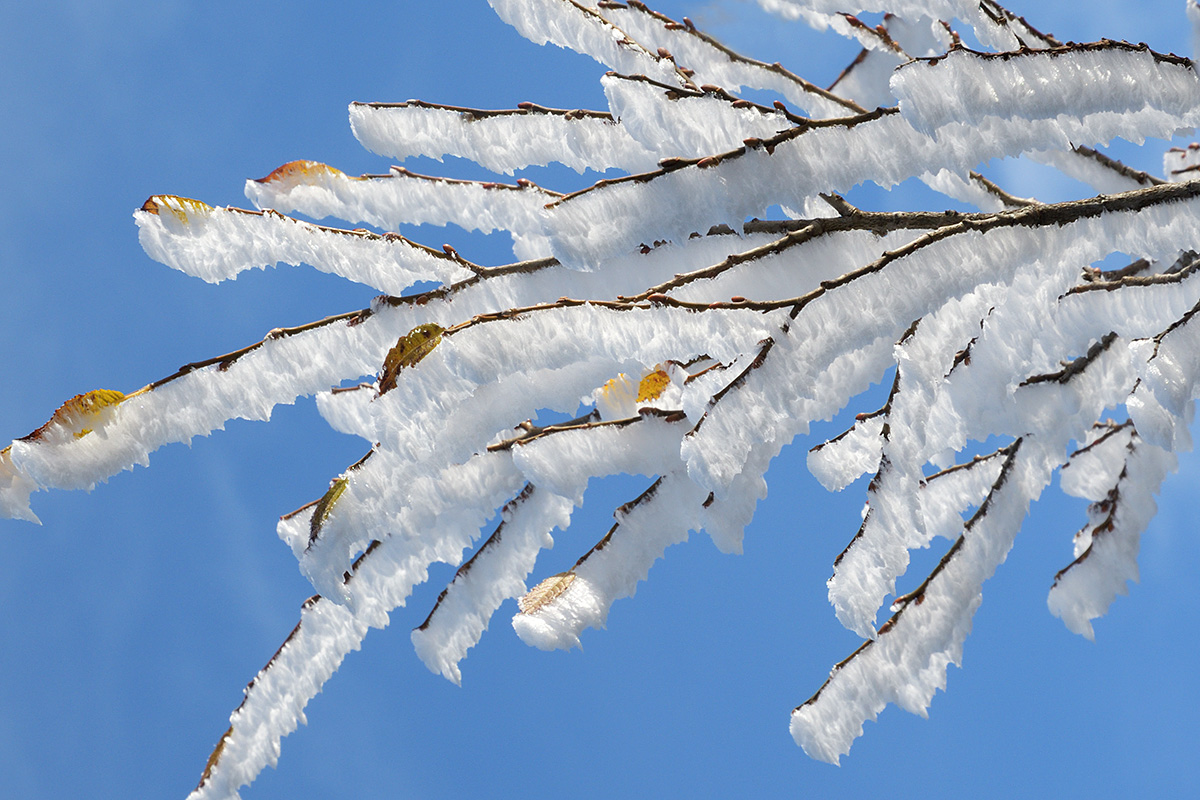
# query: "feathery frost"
650 327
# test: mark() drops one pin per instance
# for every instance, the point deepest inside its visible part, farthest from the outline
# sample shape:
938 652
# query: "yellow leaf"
180 207
78 415
545 592
653 385
410 349
325 507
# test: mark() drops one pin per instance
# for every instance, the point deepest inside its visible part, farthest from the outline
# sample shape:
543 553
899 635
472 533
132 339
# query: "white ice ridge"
840 461
387 201
485 375
883 301
1193 15
216 244
994 26
288 365
500 141
197 402
1089 166
1120 474
380 582
713 63
644 529
1075 95
564 461
494 574
883 147
687 124
866 78
907 663
1162 405
574 26
1182 163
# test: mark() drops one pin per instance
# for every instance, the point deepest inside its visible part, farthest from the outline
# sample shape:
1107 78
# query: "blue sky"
136 613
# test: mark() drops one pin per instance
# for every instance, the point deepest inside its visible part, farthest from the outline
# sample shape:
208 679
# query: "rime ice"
649 328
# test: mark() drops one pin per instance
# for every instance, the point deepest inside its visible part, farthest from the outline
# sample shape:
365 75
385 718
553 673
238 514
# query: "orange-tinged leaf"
79 414
653 385
295 173
411 348
183 209
215 757
545 592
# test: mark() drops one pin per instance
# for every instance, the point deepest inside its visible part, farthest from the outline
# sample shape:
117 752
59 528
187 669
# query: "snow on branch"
797 165
500 141
906 664
318 190
495 573
215 244
379 581
1106 547
993 24
708 61
556 611
1077 93
585 30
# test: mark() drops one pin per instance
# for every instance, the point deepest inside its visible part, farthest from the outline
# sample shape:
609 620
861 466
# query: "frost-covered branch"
646 325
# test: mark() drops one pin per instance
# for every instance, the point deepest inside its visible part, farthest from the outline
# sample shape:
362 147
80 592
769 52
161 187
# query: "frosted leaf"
580 598
659 387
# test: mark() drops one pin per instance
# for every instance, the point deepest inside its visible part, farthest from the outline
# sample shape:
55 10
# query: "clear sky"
135 615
